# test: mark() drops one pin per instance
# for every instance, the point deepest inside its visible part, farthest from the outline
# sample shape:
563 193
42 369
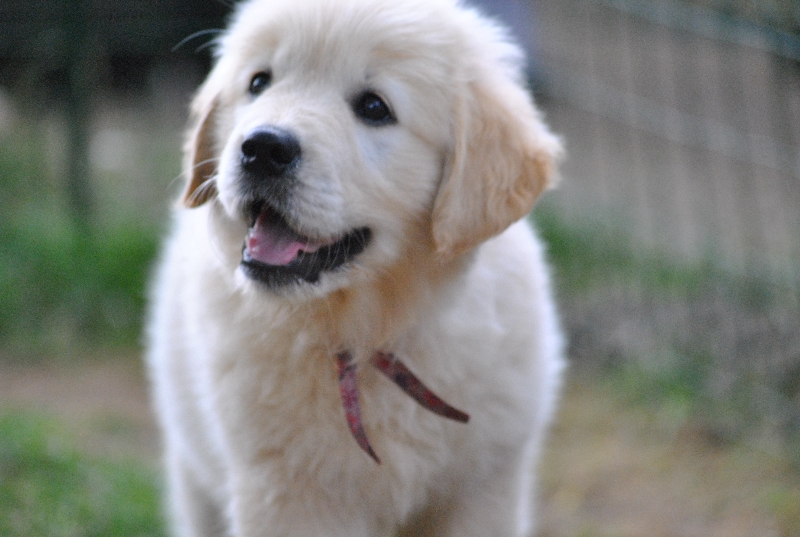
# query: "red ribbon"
398 373
348 388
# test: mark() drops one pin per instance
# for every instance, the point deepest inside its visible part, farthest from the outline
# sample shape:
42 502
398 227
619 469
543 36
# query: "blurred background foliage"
674 235
92 98
62 284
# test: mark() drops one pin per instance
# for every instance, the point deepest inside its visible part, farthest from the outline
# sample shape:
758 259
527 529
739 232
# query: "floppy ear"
200 160
504 156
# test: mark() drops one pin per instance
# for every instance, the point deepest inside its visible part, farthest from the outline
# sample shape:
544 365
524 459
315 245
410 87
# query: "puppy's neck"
372 316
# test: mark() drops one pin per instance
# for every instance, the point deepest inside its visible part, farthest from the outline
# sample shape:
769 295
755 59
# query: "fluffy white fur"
453 283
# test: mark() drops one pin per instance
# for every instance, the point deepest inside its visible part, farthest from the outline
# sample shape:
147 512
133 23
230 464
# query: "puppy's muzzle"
275 252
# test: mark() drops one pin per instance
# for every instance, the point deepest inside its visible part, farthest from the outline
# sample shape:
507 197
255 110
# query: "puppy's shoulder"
514 258
507 281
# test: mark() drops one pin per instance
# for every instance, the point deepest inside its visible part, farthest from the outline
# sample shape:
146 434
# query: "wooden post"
81 57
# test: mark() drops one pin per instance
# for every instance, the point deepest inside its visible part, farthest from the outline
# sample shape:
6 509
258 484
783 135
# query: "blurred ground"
611 468
102 401
616 469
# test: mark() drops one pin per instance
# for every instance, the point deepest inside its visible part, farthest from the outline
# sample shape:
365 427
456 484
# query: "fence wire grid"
681 125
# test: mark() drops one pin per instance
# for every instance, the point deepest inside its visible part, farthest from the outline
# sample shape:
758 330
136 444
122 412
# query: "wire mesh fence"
690 140
682 127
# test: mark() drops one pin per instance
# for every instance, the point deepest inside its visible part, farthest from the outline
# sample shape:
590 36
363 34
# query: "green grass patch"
58 285
589 257
784 502
48 488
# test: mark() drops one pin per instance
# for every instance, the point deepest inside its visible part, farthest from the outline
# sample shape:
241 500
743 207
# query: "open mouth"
277 255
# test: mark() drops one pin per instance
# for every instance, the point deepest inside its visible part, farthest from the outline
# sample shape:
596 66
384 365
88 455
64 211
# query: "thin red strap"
348 388
398 373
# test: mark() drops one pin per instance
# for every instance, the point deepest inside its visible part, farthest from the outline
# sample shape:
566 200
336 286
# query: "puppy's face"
334 137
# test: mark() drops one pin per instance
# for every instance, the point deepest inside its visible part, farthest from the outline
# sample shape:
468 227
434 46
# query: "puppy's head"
335 137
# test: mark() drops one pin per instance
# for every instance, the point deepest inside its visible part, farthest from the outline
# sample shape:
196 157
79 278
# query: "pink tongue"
273 244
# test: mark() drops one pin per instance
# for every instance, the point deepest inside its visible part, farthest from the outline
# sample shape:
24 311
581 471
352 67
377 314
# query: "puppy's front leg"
500 505
193 511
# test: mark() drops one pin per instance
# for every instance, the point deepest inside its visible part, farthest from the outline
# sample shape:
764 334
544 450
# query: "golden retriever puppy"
352 332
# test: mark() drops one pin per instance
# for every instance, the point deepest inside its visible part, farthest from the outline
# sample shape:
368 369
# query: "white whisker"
202 33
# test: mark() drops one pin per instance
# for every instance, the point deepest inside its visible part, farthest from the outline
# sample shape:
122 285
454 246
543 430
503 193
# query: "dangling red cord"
398 373
348 388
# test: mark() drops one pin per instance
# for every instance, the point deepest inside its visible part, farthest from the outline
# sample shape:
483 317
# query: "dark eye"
260 82
373 110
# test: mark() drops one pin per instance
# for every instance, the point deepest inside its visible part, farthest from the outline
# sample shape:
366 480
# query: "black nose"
270 151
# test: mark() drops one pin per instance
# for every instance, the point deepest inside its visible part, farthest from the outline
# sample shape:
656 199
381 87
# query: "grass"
587 258
59 285
48 488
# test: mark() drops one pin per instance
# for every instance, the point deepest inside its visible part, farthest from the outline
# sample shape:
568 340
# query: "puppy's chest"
276 369
297 396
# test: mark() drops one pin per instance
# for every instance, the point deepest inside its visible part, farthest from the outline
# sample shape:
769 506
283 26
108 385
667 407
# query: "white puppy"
352 234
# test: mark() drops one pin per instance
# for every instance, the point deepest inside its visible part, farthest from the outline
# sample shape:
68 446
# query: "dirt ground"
102 402
610 470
